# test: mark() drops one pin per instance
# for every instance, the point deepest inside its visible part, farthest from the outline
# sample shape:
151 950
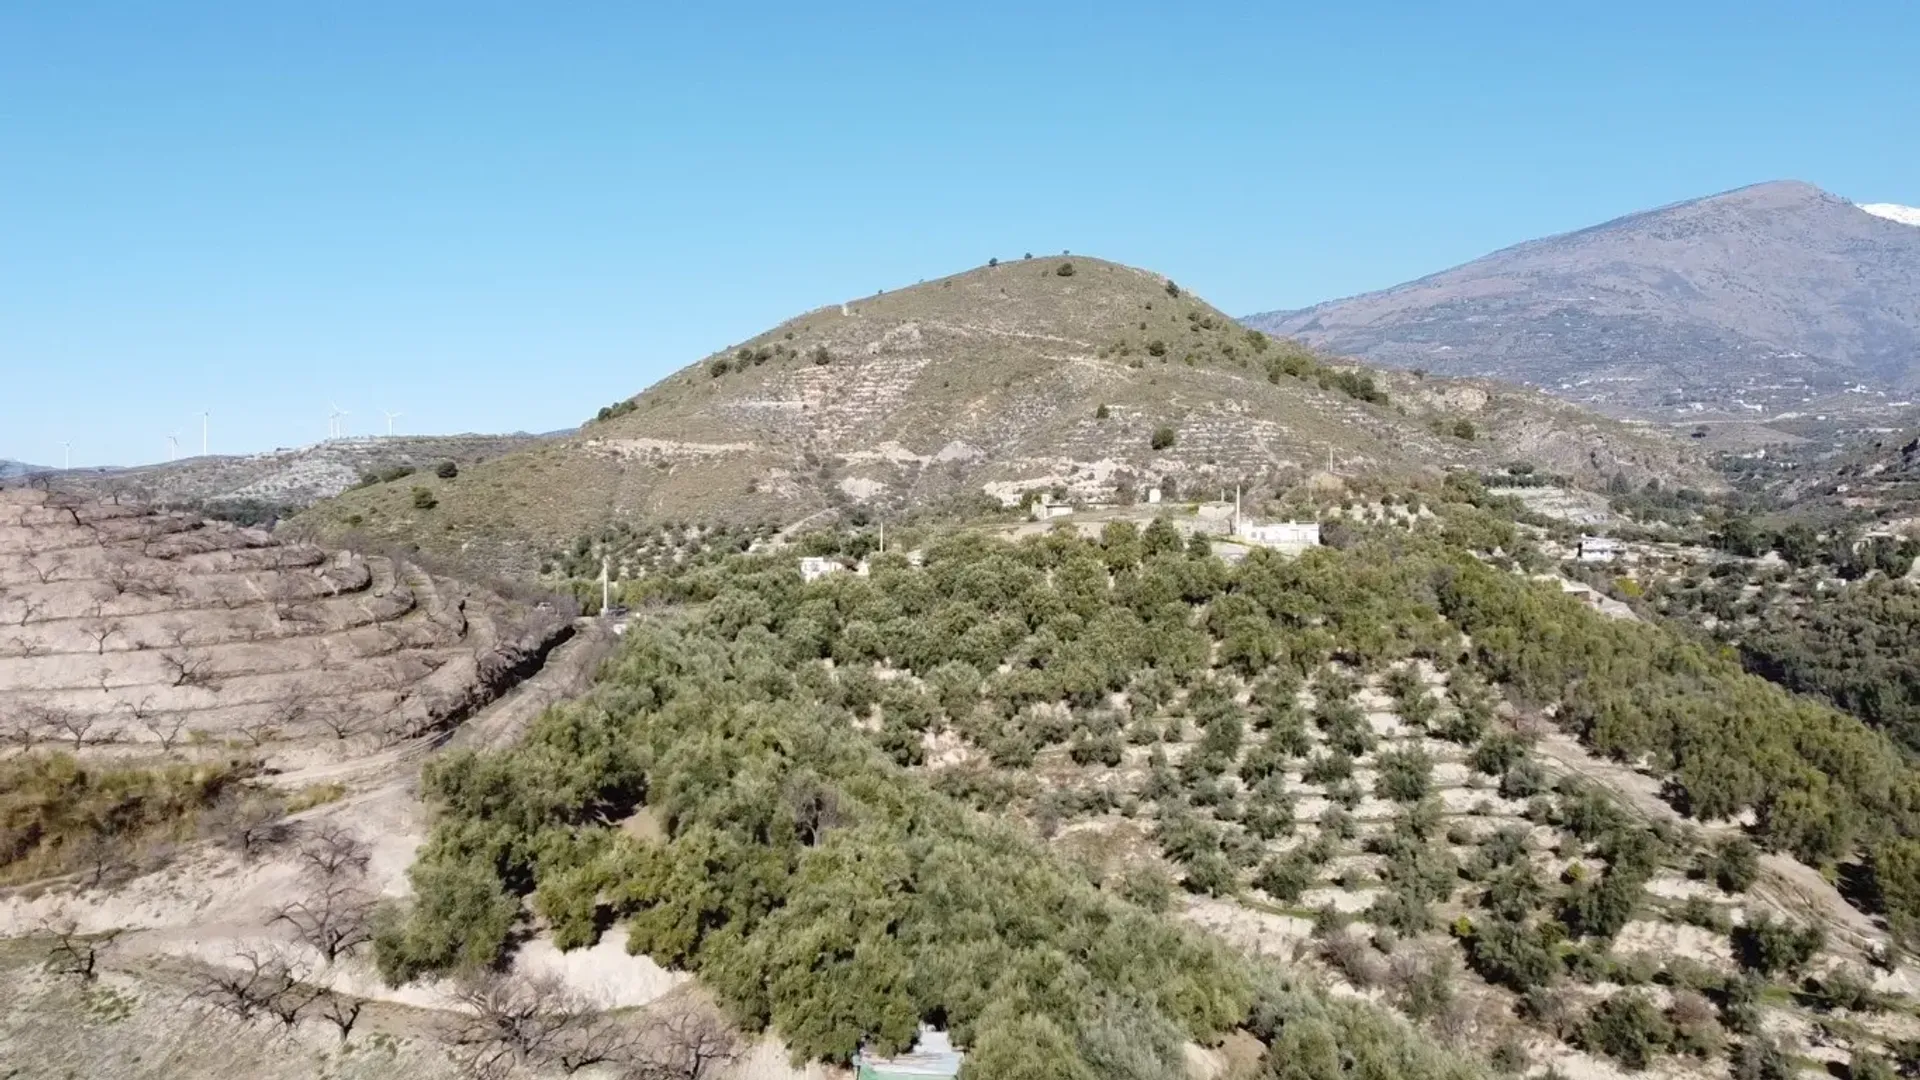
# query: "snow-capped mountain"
1905 215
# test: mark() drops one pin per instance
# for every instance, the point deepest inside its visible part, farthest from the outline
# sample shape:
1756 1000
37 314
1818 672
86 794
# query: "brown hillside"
987 382
125 627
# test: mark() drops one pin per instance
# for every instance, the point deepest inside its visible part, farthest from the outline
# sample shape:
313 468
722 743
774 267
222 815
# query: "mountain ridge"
1750 301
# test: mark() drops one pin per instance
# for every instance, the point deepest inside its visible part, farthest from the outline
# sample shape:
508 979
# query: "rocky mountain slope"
289 478
11 469
1748 303
1061 373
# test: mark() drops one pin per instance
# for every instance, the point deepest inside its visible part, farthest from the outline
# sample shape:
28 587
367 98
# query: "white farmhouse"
1598 549
814 567
1282 535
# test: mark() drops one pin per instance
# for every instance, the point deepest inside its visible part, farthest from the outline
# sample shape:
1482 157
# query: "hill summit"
1064 373
1766 298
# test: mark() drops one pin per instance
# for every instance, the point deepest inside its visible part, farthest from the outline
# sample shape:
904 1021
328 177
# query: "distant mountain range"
12 469
1764 300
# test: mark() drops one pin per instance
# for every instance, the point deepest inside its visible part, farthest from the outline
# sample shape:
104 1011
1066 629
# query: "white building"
1600 549
814 567
1282 535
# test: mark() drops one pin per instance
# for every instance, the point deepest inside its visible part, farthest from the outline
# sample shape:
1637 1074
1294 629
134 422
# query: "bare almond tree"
101 631
74 953
46 569
329 851
259 731
508 1021
247 825
102 856
683 1040
164 727
188 666
293 707
30 608
341 1011
335 917
259 982
28 726
75 726
343 720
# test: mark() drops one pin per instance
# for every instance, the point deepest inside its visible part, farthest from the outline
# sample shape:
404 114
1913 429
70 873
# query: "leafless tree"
259 731
30 608
101 631
335 917
683 1041
74 725
344 720
27 726
188 667
102 856
125 574
74 953
164 727
260 982
26 648
45 570
246 825
509 1021
291 709
341 1011
329 851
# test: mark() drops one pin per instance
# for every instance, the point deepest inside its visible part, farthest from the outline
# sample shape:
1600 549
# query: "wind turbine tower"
391 417
69 449
204 417
173 446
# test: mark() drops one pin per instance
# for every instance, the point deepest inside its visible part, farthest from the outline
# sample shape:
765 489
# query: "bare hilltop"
1064 374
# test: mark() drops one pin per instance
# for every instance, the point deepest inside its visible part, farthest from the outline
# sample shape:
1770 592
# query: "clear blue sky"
496 216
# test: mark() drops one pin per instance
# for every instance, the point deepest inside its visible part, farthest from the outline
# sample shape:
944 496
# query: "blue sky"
502 216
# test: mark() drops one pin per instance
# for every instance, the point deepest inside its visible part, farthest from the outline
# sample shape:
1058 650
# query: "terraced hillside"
1070 373
128 627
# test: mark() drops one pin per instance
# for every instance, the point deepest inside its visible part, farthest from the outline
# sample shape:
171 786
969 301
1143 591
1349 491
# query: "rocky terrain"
1769 299
287 479
1092 378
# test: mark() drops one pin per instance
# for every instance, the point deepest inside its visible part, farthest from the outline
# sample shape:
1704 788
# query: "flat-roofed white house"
1282 535
814 567
1599 549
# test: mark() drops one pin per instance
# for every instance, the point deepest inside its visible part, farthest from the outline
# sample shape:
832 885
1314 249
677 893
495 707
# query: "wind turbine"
173 446
204 417
69 448
391 417
335 429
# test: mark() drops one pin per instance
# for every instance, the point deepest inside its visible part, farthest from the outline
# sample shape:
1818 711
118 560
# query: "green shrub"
1734 864
446 470
1403 775
1627 1028
424 499
1163 437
